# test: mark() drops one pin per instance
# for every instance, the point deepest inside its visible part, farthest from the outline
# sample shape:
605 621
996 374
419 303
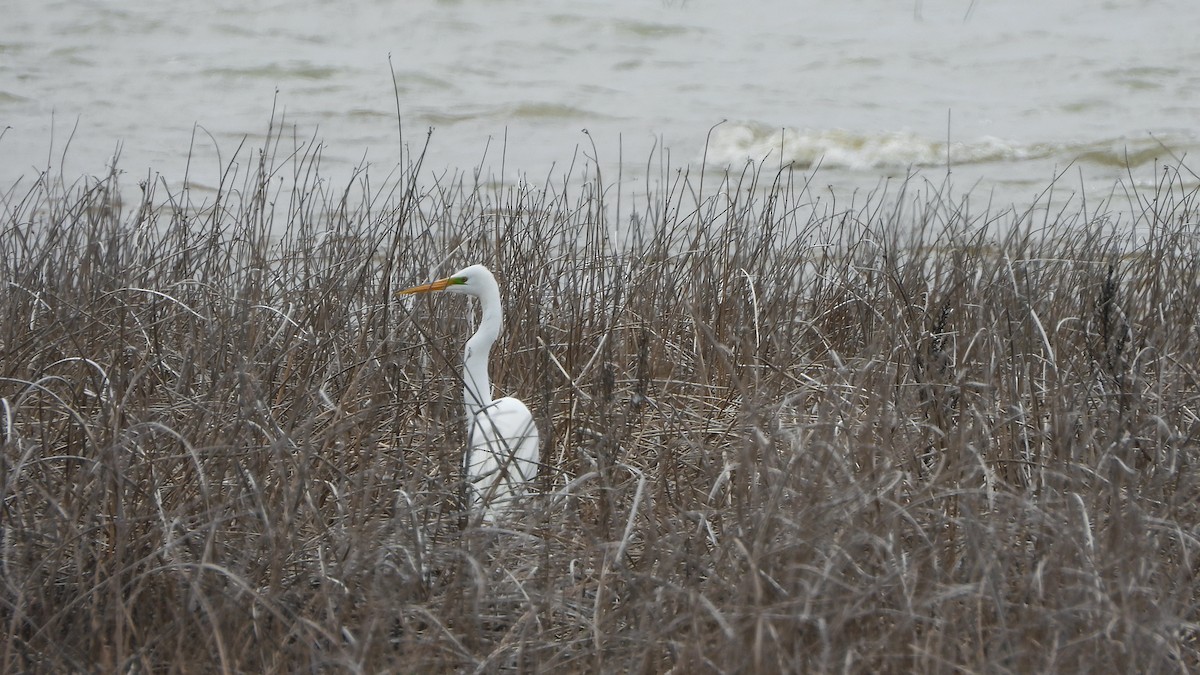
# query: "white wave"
733 144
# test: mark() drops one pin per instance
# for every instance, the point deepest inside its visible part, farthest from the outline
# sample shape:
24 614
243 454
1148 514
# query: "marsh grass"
783 432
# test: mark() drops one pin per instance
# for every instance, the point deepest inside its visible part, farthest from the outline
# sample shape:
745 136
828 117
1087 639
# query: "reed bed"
783 430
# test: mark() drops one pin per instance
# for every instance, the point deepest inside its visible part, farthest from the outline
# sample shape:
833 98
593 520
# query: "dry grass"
782 433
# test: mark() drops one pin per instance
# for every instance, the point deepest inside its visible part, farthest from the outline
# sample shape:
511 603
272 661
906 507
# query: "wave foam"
737 143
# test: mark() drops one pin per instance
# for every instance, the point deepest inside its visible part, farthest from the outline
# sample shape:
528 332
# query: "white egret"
503 441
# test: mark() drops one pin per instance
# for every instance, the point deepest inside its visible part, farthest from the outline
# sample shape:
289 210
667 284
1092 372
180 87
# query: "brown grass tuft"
783 433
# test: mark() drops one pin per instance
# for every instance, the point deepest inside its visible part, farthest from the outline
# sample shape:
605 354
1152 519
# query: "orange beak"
439 285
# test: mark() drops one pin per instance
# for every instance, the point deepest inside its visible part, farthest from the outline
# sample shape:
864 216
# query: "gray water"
866 90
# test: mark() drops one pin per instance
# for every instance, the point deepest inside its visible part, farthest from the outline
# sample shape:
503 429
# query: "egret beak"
439 285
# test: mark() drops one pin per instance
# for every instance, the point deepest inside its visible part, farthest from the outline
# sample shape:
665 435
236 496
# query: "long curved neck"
477 386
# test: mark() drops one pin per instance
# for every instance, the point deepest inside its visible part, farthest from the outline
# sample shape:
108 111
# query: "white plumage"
502 456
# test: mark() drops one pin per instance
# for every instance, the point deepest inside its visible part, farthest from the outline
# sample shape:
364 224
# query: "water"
868 90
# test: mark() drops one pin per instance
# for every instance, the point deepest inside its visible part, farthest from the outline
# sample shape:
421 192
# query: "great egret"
503 452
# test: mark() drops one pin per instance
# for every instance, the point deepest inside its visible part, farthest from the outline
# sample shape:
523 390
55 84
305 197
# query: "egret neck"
477 386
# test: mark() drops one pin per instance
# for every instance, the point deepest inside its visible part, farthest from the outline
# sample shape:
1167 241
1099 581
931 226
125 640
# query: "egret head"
474 280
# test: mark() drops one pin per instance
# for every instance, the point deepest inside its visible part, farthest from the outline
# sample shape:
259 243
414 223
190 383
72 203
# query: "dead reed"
782 432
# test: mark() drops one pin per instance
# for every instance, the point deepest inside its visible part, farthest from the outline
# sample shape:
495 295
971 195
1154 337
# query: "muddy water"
1004 93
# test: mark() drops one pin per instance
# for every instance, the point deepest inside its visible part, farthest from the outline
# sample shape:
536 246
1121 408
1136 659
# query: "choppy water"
866 89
